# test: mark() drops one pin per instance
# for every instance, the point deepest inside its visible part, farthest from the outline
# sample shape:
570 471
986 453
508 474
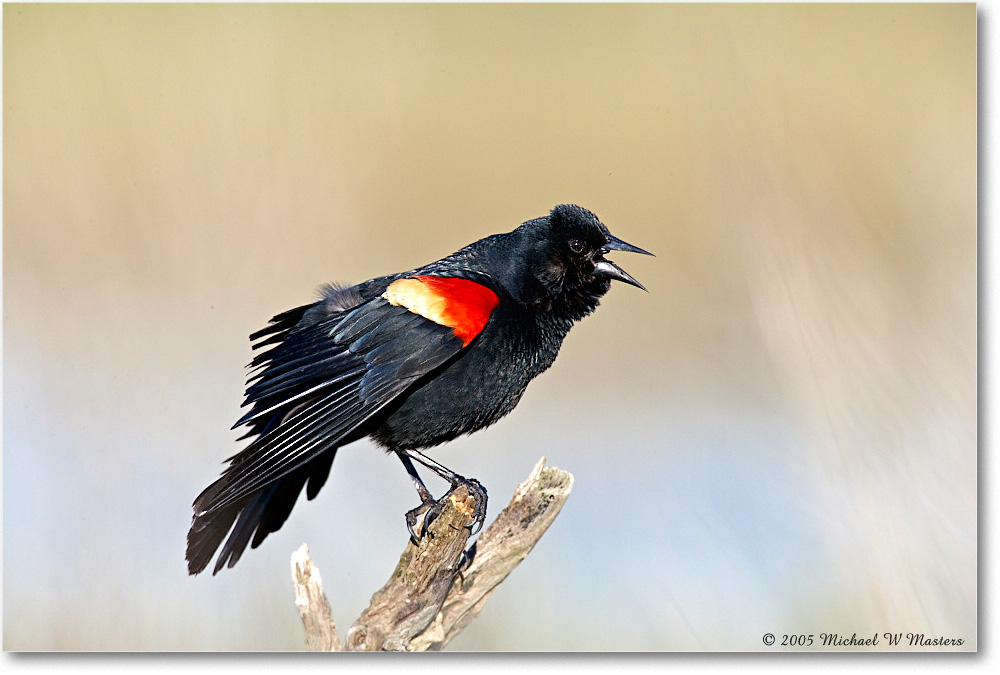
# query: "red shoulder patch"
459 304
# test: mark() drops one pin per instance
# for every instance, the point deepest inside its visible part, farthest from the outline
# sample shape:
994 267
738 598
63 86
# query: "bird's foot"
465 562
478 494
419 520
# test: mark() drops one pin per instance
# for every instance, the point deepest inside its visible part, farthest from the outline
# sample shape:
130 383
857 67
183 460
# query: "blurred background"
781 436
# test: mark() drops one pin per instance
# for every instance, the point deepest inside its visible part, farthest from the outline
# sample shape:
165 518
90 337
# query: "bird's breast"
479 386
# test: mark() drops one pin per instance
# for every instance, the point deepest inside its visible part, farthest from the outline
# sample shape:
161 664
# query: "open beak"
606 268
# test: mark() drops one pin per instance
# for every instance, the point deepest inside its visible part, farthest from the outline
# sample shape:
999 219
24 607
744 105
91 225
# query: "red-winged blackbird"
411 360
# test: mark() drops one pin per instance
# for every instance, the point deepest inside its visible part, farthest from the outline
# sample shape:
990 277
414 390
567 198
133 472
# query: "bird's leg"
473 485
418 519
425 494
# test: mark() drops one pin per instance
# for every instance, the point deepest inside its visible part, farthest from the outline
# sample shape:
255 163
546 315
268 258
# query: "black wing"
328 373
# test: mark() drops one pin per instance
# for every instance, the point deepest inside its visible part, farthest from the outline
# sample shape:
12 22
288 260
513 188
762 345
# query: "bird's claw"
468 555
478 493
465 562
418 520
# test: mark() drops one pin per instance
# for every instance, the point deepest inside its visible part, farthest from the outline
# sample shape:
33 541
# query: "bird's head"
564 253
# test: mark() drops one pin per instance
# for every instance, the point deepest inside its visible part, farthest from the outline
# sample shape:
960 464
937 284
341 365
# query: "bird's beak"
616 244
606 268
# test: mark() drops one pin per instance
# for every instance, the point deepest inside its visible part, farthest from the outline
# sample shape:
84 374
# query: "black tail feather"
255 517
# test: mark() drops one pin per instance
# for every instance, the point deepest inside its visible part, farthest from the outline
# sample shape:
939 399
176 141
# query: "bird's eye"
576 245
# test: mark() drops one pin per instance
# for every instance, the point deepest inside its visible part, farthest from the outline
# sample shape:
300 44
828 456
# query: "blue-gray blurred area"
781 436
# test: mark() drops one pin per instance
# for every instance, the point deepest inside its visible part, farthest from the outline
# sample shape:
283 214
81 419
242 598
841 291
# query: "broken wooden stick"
428 599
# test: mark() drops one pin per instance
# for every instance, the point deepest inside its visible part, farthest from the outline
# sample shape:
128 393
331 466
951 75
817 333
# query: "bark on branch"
428 600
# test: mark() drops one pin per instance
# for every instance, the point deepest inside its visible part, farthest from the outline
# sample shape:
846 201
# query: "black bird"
411 360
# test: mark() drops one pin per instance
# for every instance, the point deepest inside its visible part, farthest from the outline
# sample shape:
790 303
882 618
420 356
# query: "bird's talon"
418 520
465 562
478 493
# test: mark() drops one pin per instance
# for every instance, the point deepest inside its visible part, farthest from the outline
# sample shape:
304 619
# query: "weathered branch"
321 633
421 607
410 599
